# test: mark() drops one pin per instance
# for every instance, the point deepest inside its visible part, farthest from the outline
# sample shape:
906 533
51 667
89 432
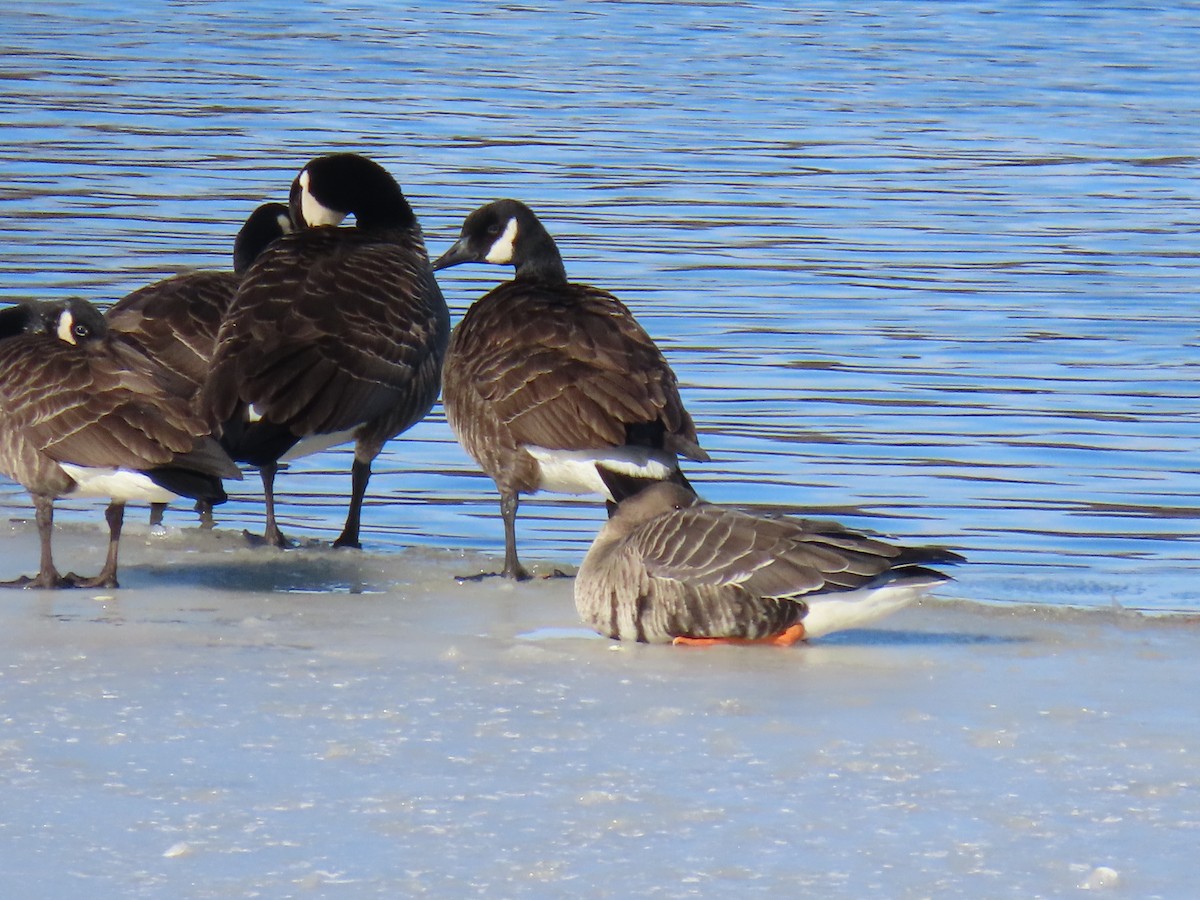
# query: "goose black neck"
536 258
384 207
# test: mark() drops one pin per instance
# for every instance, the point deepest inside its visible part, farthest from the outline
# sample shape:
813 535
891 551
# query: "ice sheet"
237 722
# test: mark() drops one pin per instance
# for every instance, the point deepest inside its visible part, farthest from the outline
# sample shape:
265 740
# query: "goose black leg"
114 514
271 535
508 511
47 576
360 474
205 509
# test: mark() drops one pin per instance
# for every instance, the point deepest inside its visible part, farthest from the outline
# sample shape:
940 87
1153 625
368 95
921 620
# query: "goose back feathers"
175 321
534 368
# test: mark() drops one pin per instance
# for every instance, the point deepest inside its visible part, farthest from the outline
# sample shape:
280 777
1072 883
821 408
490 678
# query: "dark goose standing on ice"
669 567
84 413
552 385
175 321
335 335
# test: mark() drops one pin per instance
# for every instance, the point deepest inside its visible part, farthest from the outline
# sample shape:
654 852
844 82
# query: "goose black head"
332 187
506 233
264 226
31 317
79 322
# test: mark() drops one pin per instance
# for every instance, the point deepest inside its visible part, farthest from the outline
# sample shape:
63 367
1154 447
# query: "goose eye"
81 330
494 228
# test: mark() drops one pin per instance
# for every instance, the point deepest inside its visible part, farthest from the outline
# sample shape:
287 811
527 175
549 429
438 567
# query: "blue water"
929 268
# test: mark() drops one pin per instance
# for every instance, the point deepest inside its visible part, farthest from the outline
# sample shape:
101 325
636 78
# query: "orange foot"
783 639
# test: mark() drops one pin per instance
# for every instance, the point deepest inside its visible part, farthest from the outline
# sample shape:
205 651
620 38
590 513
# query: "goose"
670 567
83 413
336 334
551 385
175 321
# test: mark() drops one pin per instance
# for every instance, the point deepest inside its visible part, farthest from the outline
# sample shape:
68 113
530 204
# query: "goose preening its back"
335 334
553 385
84 413
669 567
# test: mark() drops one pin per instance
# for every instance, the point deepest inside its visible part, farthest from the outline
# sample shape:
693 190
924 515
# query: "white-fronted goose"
552 385
86 414
335 335
669 567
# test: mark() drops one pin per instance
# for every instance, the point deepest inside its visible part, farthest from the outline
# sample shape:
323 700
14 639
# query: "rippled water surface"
928 267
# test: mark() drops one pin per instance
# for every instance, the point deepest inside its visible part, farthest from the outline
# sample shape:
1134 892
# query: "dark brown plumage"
83 412
669 566
553 385
336 334
175 321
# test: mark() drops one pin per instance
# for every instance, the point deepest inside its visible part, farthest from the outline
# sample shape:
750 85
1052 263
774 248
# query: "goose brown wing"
716 546
87 408
330 328
567 367
175 321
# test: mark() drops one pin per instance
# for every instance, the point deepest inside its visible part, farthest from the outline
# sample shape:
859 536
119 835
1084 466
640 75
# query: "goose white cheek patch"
314 212
66 326
501 252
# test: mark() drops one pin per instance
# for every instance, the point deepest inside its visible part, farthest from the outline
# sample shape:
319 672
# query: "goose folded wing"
578 378
307 358
91 413
711 545
176 320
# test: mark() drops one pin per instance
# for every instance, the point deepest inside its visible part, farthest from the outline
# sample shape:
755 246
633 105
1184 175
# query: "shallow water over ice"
927 268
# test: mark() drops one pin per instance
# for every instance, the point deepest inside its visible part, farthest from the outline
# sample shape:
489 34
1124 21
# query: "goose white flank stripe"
119 484
315 443
830 613
578 471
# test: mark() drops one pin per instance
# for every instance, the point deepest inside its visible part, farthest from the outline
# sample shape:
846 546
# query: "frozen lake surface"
348 724
926 268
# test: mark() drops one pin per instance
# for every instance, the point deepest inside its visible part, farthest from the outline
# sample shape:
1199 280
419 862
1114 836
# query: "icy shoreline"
234 722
